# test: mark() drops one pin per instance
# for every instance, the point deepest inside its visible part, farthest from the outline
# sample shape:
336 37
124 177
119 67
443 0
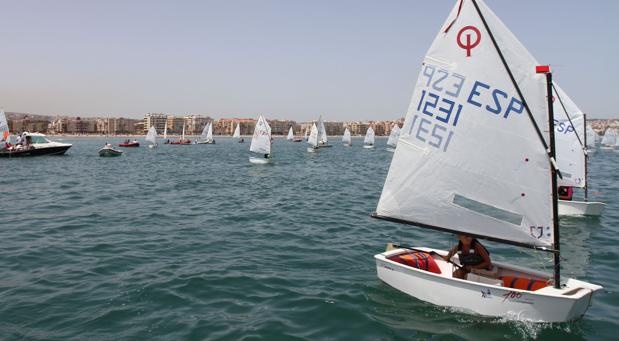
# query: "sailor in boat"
565 192
472 255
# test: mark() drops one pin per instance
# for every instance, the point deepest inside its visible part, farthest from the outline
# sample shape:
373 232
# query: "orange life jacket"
419 260
523 283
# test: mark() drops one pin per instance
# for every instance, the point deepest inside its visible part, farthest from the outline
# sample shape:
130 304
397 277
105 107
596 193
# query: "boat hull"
107 152
206 142
580 208
544 305
312 150
368 146
36 151
347 144
129 145
391 150
260 160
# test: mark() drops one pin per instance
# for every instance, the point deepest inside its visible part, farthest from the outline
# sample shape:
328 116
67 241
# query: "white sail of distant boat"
183 135
209 133
346 138
206 137
165 130
204 134
492 131
151 137
306 134
394 136
322 132
610 139
4 127
237 132
368 141
290 136
313 139
592 138
261 142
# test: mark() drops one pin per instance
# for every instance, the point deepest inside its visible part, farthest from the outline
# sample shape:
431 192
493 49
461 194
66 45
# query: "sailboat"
312 140
572 154
368 141
237 133
4 128
165 133
394 136
483 167
261 142
592 139
609 140
346 139
182 141
306 134
151 137
207 135
290 136
322 134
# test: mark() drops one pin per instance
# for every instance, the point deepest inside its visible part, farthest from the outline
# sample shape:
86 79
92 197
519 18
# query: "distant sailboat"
592 139
290 136
346 139
4 128
151 137
182 141
394 136
322 134
261 142
207 135
306 134
237 133
610 139
490 173
368 141
165 132
313 139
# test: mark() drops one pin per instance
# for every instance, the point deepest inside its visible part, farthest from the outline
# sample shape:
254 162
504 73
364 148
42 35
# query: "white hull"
607 147
486 296
391 150
368 146
260 160
152 146
347 144
312 150
580 208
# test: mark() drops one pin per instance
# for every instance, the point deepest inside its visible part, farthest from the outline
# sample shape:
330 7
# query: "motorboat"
36 145
128 144
109 151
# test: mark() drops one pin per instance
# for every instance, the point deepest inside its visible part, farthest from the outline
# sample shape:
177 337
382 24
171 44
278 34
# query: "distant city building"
196 123
281 127
226 126
155 120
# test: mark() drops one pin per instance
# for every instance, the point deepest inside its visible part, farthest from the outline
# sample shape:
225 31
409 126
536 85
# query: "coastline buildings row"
195 123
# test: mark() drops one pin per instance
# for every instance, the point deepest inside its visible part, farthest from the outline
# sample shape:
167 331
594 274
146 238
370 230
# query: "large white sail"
204 134
237 131
569 137
369 136
165 130
313 136
290 136
610 137
183 136
346 137
209 132
469 158
322 132
4 127
151 136
394 136
591 137
261 141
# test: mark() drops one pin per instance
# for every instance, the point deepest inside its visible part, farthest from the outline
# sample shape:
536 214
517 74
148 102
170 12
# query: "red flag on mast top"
542 69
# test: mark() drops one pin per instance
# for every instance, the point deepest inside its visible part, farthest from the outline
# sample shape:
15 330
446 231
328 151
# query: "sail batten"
473 135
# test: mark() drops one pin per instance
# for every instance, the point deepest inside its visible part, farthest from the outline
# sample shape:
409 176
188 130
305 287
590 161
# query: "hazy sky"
289 59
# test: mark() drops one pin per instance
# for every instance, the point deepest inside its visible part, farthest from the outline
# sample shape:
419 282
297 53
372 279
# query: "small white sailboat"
4 128
505 147
207 135
237 133
572 155
368 141
346 138
313 139
151 137
592 139
609 140
394 136
323 140
290 136
261 142
165 131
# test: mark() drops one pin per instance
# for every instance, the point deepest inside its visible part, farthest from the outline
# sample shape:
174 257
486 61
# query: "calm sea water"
193 242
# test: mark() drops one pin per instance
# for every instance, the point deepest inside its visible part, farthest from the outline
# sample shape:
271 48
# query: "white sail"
4 127
469 158
346 138
261 141
394 136
591 137
165 130
204 134
610 137
237 131
569 137
322 132
306 134
290 136
151 136
313 136
183 136
209 132
369 136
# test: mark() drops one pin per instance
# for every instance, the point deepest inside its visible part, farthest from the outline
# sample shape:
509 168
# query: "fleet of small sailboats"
502 144
261 143
368 141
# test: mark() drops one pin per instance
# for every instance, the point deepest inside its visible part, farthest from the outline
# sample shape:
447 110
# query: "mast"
553 177
586 160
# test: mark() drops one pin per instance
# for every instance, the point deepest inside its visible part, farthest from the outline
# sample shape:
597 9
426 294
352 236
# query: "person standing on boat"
472 255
